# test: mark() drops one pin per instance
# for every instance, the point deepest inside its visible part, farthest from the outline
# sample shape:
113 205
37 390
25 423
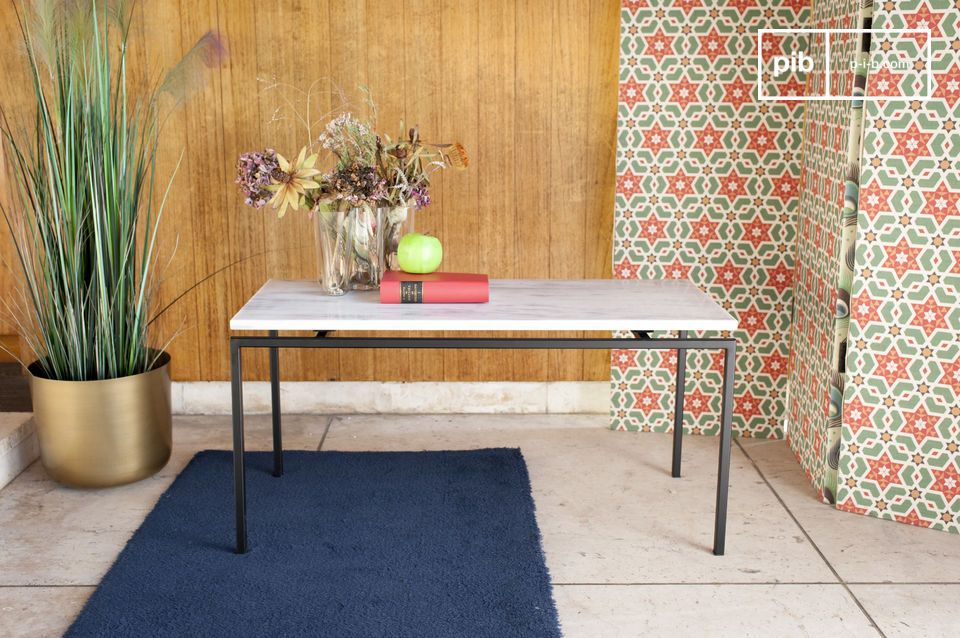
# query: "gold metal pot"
103 433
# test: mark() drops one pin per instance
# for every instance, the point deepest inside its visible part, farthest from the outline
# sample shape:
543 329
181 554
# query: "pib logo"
797 62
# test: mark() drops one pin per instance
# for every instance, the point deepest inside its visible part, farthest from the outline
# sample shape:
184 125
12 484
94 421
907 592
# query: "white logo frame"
842 98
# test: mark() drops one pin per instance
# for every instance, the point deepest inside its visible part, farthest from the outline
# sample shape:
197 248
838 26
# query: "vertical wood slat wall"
530 88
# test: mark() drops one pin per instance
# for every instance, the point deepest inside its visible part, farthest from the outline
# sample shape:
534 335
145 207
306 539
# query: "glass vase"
366 254
333 234
397 222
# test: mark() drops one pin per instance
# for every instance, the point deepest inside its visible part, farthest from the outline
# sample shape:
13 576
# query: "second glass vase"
397 222
366 253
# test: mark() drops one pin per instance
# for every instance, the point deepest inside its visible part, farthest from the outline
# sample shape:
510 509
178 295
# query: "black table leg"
239 481
723 469
678 406
275 408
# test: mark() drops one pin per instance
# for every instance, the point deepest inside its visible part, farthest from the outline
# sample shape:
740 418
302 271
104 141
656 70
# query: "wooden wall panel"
567 221
529 87
495 168
460 105
16 105
600 167
534 112
178 244
423 61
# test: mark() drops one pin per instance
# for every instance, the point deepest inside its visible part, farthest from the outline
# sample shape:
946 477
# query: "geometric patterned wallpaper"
900 447
707 191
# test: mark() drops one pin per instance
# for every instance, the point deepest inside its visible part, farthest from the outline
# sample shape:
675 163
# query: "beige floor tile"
607 507
53 535
783 611
912 610
853 543
39 612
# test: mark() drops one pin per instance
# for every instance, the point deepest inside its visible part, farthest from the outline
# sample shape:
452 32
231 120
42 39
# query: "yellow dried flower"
293 181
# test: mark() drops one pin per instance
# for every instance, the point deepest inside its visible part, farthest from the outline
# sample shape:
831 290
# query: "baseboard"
372 397
18 444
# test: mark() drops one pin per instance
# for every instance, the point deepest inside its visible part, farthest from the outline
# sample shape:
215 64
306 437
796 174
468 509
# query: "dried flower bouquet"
368 174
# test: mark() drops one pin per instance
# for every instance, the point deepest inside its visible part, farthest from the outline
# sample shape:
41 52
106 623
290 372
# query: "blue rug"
344 544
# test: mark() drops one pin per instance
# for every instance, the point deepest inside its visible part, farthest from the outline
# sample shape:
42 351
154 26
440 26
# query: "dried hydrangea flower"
255 172
421 196
358 184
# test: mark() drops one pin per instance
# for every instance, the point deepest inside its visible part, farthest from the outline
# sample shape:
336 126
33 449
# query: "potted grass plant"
84 223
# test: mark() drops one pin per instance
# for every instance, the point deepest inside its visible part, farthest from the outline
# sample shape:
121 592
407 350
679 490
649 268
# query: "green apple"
419 254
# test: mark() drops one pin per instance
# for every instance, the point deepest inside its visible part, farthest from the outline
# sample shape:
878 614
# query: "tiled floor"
627 546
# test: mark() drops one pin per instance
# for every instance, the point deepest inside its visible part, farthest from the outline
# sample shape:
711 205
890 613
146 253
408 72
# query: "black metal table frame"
641 341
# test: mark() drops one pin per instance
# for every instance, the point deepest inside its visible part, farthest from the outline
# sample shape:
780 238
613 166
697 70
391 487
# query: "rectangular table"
637 307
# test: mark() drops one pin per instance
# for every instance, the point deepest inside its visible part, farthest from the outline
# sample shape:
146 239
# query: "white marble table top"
515 304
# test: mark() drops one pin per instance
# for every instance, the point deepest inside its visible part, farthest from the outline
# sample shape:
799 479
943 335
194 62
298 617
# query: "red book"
437 287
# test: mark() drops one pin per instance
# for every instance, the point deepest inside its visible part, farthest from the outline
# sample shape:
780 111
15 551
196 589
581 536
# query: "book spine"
411 292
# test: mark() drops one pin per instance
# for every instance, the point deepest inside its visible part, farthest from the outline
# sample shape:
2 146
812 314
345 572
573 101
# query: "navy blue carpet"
344 544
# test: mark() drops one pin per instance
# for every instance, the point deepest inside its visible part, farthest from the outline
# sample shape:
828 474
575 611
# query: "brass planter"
103 433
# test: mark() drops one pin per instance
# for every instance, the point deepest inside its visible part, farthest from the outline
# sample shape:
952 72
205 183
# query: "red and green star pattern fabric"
707 191
900 446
